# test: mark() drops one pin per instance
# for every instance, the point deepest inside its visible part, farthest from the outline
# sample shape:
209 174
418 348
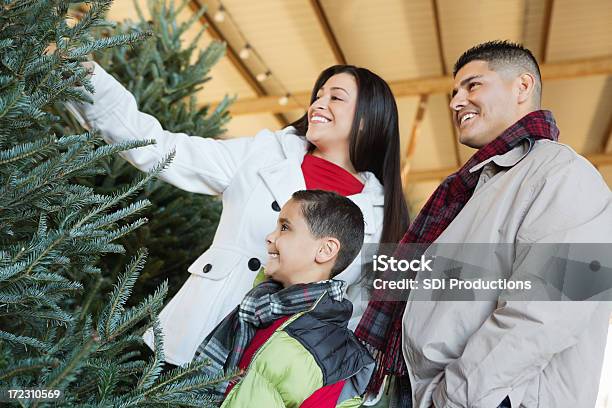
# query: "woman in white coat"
350 130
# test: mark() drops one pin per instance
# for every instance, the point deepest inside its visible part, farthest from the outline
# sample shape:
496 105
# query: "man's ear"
526 87
327 250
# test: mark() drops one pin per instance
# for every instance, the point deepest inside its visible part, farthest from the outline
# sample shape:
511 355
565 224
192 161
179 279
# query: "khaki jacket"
539 354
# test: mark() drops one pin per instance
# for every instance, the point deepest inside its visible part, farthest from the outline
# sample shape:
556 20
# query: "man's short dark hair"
504 54
328 214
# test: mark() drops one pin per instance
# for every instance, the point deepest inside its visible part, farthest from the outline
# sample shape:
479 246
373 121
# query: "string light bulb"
263 76
283 100
245 52
220 15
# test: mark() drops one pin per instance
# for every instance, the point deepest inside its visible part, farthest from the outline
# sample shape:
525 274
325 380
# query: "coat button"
275 206
254 264
207 268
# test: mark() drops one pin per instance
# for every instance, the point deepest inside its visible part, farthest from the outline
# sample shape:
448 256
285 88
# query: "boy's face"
292 250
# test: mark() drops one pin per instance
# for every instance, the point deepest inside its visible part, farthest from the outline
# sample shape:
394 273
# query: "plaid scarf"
381 324
263 304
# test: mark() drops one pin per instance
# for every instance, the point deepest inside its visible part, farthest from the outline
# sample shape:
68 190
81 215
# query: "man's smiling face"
484 103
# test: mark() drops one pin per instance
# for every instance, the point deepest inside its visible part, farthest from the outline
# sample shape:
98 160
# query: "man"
520 187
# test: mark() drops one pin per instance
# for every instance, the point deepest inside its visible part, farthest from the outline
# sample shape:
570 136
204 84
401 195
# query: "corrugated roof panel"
582 108
580 30
287 36
394 38
470 22
435 143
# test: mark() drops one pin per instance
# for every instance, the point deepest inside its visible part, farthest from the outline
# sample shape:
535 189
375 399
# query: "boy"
289 335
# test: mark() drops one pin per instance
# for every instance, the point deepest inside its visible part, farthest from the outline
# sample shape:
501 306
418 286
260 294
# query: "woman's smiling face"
330 117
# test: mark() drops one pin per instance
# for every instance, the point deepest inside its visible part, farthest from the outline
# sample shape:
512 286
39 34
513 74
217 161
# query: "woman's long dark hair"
374 142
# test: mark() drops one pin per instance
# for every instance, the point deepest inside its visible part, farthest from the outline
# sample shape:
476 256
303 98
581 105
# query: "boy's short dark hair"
503 54
328 214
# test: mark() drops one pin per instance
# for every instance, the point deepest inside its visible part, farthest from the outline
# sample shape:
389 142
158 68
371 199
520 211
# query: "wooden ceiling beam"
544 39
577 68
328 32
411 148
438 25
430 175
606 145
597 160
212 29
426 86
438 29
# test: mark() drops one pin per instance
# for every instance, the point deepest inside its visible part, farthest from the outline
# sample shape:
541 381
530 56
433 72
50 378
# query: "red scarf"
321 174
381 324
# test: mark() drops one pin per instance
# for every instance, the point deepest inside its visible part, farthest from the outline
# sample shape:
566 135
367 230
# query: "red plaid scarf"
381 324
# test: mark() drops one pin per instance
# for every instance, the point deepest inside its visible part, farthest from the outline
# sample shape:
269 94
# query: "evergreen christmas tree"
164 76
53 231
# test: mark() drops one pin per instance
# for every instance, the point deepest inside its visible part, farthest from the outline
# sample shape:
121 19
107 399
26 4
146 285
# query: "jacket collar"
509 159
285 177
331 311
293 147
